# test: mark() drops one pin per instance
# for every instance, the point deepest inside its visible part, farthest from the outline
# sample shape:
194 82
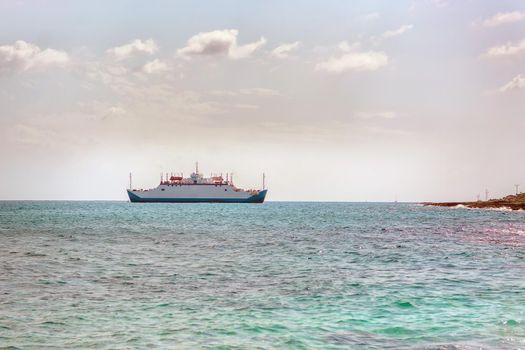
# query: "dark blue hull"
258 198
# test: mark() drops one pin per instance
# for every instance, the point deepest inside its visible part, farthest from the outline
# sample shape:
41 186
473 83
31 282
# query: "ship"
196 189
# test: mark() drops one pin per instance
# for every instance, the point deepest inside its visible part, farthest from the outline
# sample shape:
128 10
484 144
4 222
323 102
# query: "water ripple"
280 275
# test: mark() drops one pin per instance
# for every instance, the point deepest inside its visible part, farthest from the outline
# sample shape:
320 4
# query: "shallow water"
117 275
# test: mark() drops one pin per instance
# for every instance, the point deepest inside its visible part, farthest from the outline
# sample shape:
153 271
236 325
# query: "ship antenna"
196 167
264 178
130 186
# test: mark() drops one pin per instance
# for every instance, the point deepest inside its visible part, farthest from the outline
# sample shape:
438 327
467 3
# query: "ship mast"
196 167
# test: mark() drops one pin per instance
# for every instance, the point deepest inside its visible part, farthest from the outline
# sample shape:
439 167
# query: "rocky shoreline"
512 202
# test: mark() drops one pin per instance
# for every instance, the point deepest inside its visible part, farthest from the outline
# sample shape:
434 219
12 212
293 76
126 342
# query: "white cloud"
518 82
504 18
396 32
508 49
346 47
210 43
379 115
114 111
110 74
440 3
284 50
115 70
155 66
228 93
246 106
247 92
219 42
23 56
136 46
370 16
259 92
247 50
354 61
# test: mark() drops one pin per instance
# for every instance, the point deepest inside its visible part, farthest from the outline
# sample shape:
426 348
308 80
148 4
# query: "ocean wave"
502 209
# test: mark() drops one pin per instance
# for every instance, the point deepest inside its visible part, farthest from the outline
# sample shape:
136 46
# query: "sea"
278 275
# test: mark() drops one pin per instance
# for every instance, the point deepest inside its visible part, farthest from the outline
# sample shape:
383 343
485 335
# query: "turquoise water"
115 275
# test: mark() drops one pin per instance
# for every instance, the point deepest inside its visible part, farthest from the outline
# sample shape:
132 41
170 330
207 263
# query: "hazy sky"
333 100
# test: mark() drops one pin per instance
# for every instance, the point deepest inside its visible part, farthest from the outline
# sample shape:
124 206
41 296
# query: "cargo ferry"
196 188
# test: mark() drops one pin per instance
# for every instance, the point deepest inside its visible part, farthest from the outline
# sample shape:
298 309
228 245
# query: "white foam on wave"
503 209
507 209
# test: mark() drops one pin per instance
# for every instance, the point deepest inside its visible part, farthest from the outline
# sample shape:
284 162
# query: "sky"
333 100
